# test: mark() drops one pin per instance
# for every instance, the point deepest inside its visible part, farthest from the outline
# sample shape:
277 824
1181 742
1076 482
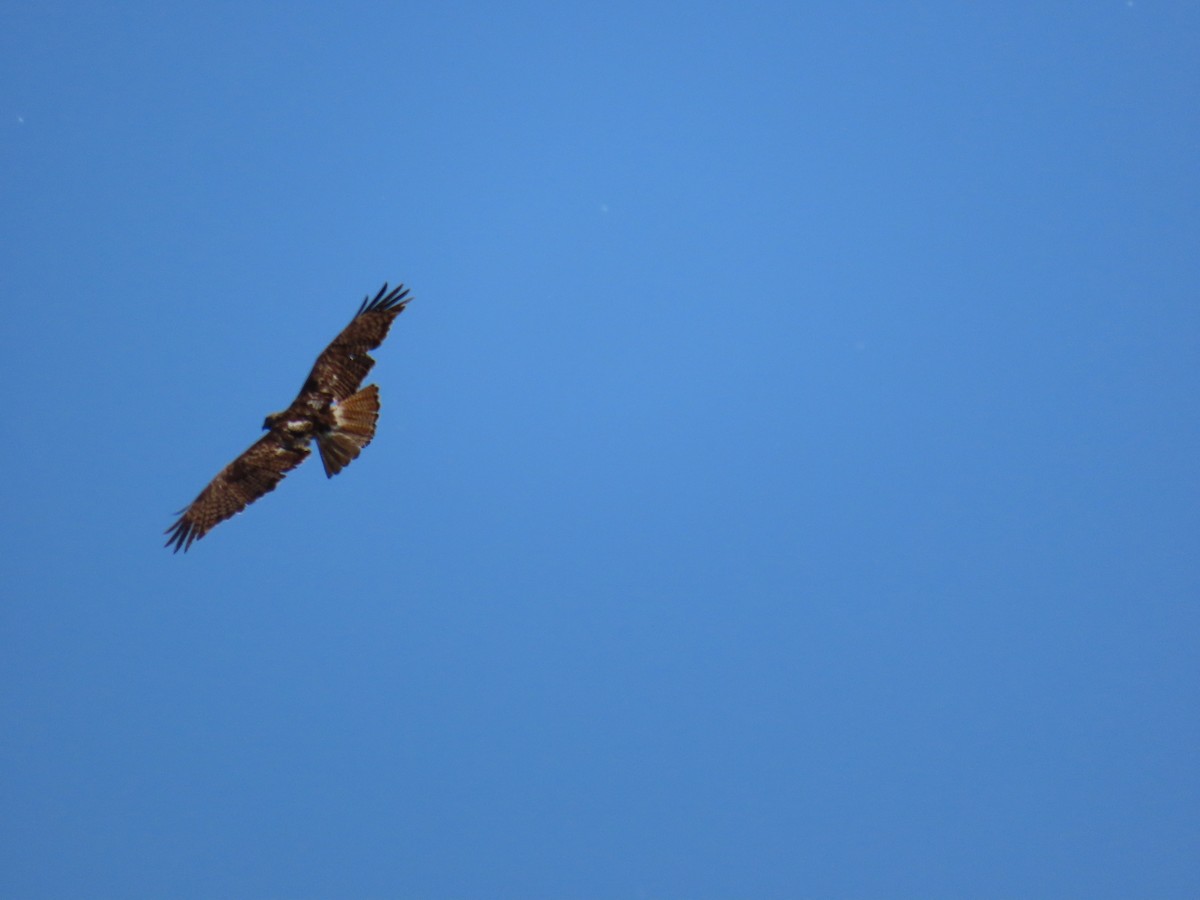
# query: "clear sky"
787 484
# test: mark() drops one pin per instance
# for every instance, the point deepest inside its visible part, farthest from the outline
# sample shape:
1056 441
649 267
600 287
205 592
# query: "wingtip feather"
385 301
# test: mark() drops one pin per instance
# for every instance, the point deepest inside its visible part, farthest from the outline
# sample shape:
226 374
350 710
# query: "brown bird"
329 408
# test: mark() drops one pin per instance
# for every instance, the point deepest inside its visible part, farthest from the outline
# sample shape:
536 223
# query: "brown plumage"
330 408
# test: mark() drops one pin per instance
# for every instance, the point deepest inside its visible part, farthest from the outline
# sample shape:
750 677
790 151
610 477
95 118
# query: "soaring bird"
330 408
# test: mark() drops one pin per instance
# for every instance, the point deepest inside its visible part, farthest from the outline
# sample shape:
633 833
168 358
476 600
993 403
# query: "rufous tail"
354 426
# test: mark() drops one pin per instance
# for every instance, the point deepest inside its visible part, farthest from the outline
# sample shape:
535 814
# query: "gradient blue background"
788 478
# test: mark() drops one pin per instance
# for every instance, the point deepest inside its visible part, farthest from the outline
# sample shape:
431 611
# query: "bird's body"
329 409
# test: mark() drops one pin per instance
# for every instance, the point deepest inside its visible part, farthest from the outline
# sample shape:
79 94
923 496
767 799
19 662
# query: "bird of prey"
329 408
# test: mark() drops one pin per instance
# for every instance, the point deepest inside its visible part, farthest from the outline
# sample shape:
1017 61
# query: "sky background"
787 483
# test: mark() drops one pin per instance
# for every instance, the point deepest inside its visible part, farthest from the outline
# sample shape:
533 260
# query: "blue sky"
787 481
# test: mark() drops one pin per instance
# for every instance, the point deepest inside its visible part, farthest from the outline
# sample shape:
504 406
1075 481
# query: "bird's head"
271 421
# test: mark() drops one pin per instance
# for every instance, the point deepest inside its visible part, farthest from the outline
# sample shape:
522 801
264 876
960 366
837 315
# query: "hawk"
330 408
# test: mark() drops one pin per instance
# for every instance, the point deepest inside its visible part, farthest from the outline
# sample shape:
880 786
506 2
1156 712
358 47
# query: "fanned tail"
355 419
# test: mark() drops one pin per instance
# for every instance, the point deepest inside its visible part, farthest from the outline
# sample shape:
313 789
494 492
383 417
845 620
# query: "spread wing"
254 473
341 368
